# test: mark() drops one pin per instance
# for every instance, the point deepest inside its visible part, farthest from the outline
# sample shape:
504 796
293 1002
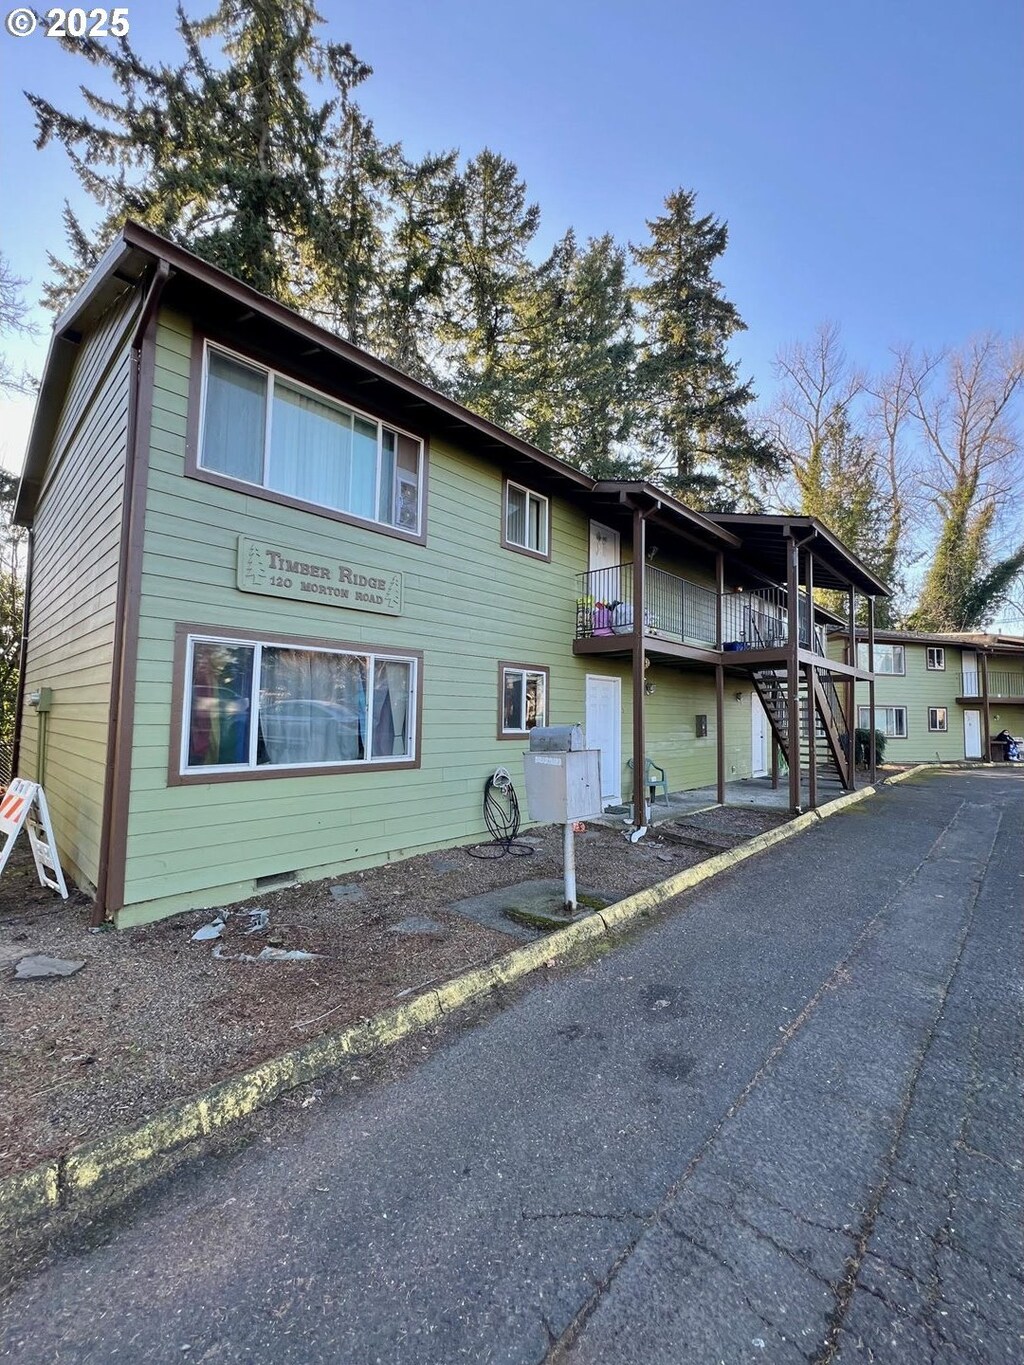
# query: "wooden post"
872 756
851 698
793 668
720 729
986 710
720 677
639 738
812 706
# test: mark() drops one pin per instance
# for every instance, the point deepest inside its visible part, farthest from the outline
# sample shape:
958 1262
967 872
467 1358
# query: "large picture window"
263 429
523 700
889 659
251 705
891 720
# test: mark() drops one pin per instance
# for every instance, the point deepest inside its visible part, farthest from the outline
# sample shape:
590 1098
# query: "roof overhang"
765 539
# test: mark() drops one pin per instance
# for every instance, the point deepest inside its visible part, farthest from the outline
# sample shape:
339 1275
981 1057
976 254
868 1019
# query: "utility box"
563 780
556 739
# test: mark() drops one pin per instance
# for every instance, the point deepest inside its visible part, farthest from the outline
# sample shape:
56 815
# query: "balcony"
685 612
1003 685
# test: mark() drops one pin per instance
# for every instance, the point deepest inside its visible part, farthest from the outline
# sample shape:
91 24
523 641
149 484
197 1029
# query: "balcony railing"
687 612
1000 684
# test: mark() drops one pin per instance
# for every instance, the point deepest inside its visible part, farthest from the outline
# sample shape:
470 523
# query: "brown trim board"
121 718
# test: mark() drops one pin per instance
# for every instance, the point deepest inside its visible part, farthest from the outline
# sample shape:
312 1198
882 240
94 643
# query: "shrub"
862 743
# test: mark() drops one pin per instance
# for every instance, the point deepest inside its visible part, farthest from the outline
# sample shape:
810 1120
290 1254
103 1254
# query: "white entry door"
758 737
972 734
604 732
605 557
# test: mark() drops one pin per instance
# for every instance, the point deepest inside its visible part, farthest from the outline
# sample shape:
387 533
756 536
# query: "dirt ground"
154 1016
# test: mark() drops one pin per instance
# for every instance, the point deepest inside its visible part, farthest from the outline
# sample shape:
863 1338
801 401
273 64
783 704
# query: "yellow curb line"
99 1174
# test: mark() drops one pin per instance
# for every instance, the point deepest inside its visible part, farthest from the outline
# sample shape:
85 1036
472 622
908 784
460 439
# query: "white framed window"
526 521
257 706
889 659
938 719
891 720
261 428
935 659
523 699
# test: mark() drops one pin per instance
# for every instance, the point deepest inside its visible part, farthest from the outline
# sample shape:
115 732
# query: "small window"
938 719
524 699
936 660
889 659
891 720
526 520
256 706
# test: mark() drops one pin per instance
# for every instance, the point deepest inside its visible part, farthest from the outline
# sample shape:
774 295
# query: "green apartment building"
288 608
942 698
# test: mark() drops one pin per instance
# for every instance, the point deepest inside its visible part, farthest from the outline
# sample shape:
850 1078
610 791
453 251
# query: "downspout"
986 709
19 707
146 316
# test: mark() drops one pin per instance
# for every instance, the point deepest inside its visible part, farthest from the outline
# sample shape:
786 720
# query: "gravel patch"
153 1016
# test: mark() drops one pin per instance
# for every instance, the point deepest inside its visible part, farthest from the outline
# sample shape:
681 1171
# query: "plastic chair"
652 783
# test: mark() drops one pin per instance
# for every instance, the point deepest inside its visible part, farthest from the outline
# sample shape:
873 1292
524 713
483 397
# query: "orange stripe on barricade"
11 808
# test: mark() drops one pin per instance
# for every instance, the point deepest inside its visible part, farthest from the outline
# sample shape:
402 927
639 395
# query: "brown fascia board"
60 359
185 263
787 523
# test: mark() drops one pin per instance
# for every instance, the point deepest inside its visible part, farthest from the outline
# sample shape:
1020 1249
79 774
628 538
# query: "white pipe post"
570 869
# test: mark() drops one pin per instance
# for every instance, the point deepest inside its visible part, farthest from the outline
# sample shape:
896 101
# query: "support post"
851 699
793 669
986 709
639 738
720 729
872 756
812 702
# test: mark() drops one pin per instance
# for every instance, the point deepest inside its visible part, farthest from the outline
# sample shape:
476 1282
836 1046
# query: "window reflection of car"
307 731
220 725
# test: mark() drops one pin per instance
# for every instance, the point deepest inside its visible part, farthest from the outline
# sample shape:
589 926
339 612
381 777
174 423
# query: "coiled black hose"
502 818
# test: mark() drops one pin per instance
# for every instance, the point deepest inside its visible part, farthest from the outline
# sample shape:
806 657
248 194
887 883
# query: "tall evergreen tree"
577 361
228 158
413 276
490 269
691 399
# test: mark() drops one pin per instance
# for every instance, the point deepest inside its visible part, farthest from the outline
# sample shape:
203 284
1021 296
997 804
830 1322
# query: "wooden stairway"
829 733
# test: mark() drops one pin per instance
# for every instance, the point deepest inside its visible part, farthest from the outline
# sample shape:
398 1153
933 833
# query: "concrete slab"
543 897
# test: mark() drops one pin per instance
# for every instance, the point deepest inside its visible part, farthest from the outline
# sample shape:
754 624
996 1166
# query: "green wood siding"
77 532
468 604
919 689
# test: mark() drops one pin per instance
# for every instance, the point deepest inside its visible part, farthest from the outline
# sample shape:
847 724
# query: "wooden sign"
274 569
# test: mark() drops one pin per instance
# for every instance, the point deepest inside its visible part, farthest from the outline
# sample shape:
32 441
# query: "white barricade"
24 804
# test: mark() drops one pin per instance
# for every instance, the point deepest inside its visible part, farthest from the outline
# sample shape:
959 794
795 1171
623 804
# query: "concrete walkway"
783 1123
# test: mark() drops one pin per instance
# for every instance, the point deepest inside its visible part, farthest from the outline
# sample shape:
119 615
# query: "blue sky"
868 158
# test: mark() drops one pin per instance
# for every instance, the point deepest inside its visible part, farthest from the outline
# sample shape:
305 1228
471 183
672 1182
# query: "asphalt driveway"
782 1123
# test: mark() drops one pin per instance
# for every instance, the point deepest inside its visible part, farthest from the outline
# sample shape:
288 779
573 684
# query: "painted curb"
98 1175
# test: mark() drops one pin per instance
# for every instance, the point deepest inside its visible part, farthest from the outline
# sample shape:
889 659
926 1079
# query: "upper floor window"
263 429
888 658
526 523
251 705
936 658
